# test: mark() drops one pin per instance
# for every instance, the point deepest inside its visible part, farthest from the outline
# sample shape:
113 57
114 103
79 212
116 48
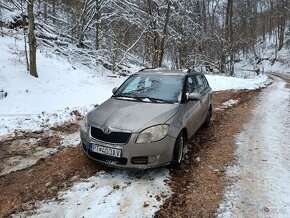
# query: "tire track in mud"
20 189
44 180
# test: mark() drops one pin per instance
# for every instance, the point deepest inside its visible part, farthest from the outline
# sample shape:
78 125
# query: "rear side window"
205 82
200 83
191 85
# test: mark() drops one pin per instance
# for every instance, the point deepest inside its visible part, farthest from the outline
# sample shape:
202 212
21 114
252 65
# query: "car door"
204 100
193 109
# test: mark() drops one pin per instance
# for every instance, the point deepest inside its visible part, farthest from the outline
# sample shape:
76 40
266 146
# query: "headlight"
152 134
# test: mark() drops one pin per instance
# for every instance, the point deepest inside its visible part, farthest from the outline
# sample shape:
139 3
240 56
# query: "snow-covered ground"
48 100
34 152
262 173
37 103
282 64
110 194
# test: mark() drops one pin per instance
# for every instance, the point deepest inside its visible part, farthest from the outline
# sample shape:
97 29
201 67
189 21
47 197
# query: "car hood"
131 115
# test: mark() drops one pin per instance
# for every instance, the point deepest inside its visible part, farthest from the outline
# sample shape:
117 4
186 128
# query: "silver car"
148 120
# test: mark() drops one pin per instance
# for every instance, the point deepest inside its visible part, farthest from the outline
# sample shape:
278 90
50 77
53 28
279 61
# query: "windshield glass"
153 88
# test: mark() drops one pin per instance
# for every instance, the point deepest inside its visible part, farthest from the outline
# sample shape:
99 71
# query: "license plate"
106 150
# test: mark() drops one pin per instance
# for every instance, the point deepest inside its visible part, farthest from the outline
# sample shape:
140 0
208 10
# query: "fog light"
153 158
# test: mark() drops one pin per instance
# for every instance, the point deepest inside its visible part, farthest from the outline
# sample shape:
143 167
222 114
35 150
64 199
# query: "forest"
60 60
208 34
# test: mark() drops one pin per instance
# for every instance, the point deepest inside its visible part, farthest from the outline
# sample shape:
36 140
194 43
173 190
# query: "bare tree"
45 5
201 33
24 24
159 28
31 39
229 35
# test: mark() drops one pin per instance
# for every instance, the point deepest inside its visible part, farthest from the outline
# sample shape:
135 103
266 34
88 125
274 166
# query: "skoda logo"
106 130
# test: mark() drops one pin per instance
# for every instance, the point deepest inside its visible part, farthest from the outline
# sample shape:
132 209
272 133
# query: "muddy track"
198 186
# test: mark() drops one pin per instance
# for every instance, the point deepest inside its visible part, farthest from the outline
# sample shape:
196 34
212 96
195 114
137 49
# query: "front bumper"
136 156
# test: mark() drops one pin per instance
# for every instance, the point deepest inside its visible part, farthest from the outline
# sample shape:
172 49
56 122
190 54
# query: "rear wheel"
208 118
180 144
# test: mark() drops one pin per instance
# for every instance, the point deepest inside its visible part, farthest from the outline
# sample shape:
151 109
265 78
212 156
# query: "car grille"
113 137
108 159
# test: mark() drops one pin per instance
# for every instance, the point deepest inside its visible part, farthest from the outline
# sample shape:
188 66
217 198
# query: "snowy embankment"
33 104
50 99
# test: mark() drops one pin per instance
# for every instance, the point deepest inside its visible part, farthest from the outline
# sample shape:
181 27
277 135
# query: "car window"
200 83
152 87
133 85
205 82
191 85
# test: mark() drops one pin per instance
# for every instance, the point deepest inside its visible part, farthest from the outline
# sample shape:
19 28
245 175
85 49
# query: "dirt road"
198 185
263 167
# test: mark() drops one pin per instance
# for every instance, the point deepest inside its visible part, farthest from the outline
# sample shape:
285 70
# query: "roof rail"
189 70
146 68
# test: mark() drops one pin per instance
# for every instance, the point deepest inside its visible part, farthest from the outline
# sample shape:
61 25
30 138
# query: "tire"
208 118
179 146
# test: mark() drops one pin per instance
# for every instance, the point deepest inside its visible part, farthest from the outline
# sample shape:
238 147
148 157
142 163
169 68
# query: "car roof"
160 71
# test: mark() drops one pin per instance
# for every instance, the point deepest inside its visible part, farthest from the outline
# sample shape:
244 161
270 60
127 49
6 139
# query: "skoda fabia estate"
148 120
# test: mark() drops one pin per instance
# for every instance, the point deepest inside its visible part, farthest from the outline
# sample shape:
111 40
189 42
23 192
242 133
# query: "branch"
125 54
5 6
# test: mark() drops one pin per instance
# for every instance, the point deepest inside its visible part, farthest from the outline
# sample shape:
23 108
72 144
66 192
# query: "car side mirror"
114 90
194 96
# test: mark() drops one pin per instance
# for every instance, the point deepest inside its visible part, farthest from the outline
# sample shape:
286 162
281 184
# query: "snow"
62 87
230 103
221 83
9 15
38 103
110 194
261 176
72 140
20 162
34 152
48 100
227 104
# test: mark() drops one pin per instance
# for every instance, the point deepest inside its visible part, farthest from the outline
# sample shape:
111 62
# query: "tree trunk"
162 43
45 10
25 42
229 35
53 11
31 40
154 32
282 24
98 8
1 23
82 24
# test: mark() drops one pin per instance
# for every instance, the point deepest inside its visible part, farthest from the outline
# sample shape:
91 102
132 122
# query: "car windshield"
152 88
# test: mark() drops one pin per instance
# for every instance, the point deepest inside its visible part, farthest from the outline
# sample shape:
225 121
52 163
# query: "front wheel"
179 146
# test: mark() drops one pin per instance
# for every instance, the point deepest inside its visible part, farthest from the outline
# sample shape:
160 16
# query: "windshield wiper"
156 100
143 99
124 97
